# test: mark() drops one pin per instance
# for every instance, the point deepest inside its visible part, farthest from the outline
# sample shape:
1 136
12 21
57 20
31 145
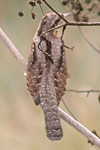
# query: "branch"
73 24
13 49
54 10
83 91
84 23
79 127
97 50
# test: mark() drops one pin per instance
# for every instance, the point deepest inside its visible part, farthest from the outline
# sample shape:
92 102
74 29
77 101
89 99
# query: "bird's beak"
66 15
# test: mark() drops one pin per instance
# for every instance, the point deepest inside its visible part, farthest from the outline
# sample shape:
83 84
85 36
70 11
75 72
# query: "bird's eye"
57 21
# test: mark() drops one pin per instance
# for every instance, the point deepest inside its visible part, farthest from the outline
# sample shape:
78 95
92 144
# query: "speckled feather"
46 76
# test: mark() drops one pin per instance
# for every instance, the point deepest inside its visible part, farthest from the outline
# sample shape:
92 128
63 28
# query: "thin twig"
97 50
54 10
83 23
71 48
83 91
68 109
78 126
13 49
41 9
45 53
73 24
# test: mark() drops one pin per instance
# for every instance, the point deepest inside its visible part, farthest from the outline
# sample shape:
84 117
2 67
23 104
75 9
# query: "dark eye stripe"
57 21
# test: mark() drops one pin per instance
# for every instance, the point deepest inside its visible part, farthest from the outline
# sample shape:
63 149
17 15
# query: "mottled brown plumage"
46 73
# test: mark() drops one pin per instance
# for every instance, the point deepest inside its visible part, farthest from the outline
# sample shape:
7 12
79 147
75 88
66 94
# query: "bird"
47 72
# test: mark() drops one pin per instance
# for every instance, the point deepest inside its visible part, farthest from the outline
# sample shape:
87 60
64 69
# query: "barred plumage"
46 73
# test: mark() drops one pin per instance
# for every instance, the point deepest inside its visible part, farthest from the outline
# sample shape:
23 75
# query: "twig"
83 24
45 53
97 50
71 48
83 91
79 127
54 10
13 49
41 9
68 109
73 24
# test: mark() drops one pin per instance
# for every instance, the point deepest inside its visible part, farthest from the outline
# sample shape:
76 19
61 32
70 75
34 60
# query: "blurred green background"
21 122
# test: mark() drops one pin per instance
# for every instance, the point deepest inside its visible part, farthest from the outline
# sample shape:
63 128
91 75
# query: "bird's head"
51 20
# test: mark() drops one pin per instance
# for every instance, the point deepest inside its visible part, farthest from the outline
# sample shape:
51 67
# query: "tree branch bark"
67 118
13 49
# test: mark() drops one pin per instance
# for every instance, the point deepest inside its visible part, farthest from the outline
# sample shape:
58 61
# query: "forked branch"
83 91
75 23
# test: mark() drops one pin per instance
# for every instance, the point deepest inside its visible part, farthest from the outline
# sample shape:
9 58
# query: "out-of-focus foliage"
83 10
21 122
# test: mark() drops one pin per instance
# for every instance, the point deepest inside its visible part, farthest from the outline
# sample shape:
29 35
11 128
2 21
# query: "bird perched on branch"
47 73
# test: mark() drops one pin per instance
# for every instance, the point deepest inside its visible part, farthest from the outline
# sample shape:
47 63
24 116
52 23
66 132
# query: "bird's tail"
49 106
